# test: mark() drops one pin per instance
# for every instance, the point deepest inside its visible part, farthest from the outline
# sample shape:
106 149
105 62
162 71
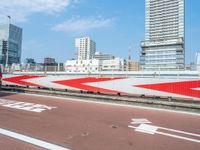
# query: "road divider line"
30 140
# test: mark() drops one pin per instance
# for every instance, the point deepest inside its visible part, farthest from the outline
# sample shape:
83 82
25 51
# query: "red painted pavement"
91 126
186 88
80 83
20 80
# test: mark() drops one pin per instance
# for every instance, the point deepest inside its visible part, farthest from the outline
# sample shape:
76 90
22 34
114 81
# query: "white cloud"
80 25
76 1
19 10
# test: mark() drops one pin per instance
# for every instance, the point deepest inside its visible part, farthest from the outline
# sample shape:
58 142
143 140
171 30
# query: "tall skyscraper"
10 44
164 44
85 48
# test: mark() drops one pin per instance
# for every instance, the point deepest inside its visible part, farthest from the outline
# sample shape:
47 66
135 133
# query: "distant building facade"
95 65
164 44
103 56
49 61
116 64
10 44
85 48
133 65
29 61
84 66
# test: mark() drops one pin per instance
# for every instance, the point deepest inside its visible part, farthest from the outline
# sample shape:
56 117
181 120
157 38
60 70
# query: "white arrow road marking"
24 106
140 121
31 140
151 129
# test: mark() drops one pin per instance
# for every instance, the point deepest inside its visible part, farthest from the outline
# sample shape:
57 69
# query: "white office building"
95 65
164 44
83 66
85 48
116 64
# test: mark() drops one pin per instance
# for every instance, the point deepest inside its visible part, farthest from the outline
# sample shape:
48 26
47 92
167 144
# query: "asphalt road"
78 125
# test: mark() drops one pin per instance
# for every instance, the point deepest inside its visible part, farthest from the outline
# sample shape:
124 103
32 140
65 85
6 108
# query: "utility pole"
129 54
129 58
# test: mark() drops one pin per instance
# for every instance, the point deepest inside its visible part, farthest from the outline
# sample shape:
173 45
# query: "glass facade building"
10 44
164 44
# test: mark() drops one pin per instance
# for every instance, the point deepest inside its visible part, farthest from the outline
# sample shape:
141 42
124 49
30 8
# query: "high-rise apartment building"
10 44
85 48
163 47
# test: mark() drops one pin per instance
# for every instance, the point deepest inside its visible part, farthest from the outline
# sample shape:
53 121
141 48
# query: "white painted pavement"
24 106
145 127
33 141
140 121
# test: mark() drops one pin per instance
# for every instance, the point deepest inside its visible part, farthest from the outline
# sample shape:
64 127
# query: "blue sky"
50 26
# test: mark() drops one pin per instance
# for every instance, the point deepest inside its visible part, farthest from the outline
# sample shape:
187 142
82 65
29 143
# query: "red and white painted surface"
81 125
179 88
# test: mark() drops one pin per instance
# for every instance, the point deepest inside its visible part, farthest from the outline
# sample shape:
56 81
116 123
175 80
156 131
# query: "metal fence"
32 68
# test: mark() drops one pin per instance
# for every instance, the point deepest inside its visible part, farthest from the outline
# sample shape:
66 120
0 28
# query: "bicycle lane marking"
25 106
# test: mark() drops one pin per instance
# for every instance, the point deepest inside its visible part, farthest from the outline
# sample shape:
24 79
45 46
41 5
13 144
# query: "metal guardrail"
158 102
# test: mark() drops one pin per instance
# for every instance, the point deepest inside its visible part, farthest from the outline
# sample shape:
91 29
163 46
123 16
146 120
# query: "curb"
187 105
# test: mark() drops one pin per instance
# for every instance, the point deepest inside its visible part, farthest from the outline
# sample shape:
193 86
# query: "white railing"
191 71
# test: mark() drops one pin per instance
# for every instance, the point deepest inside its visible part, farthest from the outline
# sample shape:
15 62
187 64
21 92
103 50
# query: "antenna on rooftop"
9 18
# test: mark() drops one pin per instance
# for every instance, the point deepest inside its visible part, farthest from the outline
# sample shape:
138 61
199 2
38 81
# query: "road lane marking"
182 132
152 129
179 137
140 121
25 106
146 128
30 140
